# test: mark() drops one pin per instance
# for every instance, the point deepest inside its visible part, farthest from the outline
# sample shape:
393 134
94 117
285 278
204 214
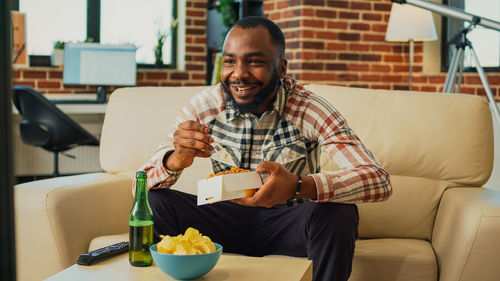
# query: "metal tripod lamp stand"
461 43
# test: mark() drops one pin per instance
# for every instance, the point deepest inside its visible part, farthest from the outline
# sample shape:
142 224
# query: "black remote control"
102 253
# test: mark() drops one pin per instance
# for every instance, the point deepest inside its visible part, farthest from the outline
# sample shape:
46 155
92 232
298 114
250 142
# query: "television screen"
97 64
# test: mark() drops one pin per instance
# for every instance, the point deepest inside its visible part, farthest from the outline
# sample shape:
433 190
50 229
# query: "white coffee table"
229 267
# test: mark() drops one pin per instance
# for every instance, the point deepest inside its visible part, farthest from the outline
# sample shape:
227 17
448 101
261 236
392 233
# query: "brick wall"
328 41
342 43
49 79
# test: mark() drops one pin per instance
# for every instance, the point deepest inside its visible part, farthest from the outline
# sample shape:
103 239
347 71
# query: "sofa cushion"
394 260
431 135
409 213
374 259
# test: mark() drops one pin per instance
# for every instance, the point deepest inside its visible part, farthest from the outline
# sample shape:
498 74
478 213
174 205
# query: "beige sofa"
439 224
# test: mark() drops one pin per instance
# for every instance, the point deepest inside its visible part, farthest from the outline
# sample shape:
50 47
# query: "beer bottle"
141 224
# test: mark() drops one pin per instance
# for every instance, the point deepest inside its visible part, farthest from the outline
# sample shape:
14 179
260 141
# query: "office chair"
45 125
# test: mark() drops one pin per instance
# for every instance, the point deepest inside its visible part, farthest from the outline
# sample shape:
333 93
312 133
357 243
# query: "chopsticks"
215 143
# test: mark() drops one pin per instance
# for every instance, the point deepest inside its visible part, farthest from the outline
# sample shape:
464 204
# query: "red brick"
55 75
179 76
436 80
308 12
195 49
317 76
326 56
370 77
360 6
336 25
313 45
34 74
194 67
156 76
393 58
372 17
16 74
198 76
326 35
200 5
381 48
275 16
370 57
380 68
493 79
194 83
358 47
379 27
326 14
419 79
139 76
382 7
49 84
194 13
348 56
347 77
402 88
289 24
313 23
343 36
282 4
200 23
373 37
392 78
472 80
401 68
428 89
359 67
268 6
349 15
195 31
336 66
337 4
289 14
359 26
380 87
26 83
466 90
314 2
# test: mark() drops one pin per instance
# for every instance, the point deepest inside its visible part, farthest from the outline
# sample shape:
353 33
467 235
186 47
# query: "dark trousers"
323 232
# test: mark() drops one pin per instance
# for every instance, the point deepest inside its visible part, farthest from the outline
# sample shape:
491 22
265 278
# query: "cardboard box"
227 187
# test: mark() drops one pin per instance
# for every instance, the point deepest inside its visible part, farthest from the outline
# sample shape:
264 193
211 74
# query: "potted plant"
57 57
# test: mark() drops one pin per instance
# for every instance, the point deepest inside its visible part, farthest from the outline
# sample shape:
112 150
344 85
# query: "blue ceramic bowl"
186 267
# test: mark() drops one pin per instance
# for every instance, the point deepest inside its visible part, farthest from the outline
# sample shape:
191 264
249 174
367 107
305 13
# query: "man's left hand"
280 186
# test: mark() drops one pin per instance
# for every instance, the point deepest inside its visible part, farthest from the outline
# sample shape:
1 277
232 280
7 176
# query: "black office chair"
43 124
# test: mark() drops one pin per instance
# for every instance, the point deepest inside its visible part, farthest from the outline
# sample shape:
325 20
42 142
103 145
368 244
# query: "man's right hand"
191 139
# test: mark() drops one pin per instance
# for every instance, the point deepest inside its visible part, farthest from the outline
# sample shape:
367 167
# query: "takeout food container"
227 187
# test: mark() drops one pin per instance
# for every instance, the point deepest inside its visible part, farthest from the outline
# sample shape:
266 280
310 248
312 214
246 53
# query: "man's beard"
259 99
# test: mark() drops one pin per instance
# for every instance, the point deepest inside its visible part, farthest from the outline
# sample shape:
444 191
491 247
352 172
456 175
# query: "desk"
35 161
229 267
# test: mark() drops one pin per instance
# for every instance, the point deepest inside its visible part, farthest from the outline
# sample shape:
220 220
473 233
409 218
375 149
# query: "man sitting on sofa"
272 125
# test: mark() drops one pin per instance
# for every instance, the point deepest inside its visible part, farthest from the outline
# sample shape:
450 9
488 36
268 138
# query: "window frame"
94 32
445 54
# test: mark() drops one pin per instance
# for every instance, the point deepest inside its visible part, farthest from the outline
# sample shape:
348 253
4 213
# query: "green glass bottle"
141 225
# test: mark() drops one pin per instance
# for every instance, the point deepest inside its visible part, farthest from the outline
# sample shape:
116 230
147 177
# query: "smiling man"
272 125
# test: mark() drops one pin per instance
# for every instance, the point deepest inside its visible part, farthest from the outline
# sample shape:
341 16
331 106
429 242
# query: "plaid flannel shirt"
293 132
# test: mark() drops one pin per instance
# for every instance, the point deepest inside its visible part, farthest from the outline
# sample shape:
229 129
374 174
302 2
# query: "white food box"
227 187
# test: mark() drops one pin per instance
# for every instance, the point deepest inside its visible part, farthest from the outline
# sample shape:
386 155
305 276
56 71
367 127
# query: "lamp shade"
408 22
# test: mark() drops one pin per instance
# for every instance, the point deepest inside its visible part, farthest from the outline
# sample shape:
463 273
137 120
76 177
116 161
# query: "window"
485 41
141 23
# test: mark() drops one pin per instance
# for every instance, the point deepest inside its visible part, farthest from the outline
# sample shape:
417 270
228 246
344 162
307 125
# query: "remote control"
102 253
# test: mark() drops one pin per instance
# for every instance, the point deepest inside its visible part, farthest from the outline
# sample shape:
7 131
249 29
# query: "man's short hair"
274 31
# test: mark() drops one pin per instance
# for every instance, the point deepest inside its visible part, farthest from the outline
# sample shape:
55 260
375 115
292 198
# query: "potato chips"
191 243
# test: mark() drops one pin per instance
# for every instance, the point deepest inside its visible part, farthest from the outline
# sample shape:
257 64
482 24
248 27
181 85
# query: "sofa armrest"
466 236
57 218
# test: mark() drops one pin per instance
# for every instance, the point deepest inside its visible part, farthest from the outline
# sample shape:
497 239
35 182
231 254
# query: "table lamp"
409 24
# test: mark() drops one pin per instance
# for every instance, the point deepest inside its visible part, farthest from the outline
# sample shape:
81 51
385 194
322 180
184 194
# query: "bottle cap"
139 174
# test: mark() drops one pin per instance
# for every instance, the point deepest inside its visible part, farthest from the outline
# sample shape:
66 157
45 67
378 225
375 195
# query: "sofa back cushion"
426 141
137 119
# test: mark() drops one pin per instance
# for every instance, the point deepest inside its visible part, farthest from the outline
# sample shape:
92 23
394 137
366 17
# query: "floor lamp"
410 24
